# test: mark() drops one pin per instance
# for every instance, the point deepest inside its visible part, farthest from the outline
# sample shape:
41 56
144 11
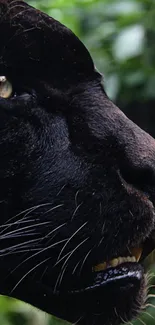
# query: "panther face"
77 178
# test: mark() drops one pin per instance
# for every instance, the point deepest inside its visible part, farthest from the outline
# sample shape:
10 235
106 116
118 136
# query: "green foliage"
120 35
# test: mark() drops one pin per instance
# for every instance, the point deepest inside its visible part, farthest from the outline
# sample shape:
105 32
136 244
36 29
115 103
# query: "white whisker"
151 296
30 271
145 312
141 321
36 254
27 213
61 189
72 252
78 320
77 208
73 235
23 228
52 231
85 260
20 245
56 207
76 196
76 266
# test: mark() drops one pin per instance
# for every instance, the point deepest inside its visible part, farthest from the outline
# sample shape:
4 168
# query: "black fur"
76 176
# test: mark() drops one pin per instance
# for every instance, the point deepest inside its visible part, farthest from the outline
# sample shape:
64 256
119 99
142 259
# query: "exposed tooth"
120 260
100 267
137 252
125 259
114 262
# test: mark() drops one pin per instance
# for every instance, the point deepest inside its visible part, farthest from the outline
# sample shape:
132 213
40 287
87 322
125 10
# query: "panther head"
77 178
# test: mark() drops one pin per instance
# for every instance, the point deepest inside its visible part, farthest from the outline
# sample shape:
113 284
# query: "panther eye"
5 87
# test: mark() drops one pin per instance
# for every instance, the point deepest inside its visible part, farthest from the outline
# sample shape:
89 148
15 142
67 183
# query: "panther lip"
124 272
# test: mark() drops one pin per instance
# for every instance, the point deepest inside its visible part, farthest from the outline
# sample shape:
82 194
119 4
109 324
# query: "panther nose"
141 175
137 163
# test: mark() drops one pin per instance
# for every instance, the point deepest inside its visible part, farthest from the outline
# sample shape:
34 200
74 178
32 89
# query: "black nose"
140 176
137 161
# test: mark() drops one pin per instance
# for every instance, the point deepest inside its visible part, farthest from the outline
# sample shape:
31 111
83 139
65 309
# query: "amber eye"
5 87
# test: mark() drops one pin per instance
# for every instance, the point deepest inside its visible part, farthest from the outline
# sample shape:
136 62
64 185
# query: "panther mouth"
109 286
117 269
129 265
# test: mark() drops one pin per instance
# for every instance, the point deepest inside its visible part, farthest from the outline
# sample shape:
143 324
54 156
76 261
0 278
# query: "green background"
121 38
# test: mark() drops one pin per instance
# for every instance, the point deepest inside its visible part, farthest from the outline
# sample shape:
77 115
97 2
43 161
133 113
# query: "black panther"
77 178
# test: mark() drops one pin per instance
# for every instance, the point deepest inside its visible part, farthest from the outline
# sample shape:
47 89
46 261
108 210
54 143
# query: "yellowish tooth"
123 259
120 260
100 267
114 262
137 252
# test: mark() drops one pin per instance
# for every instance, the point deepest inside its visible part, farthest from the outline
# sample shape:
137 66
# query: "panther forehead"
33 41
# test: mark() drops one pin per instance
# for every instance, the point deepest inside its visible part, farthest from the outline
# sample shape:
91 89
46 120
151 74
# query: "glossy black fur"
75 173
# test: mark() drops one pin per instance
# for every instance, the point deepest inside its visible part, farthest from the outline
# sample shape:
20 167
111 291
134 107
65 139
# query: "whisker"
24 234
23 228
62 274
151 296
74 234
27 212
30 271
36 254
72 252
20 245
149 305
77 208
52 231
78 320
76 196
43 273
18 222
124 322
141 321
85 260
76 266
24 250
62 258
115 310
56 207
151 286
61 189
145 312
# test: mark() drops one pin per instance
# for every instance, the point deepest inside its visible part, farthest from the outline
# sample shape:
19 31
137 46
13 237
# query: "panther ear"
31 42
